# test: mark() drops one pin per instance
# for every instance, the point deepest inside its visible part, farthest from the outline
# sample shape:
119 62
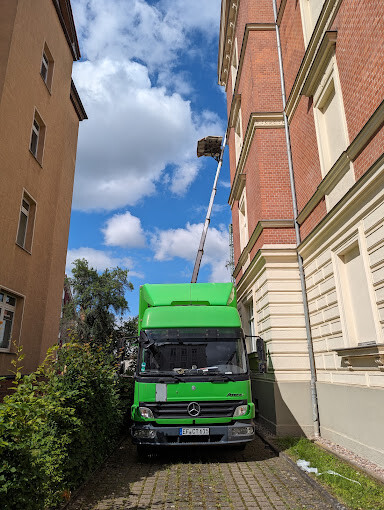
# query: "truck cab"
192 380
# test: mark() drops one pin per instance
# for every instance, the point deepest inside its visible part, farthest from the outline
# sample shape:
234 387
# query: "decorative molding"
287 252
261 225
362 357
325 21
373 179
77 104
227 34
319 64
226 62
280 14
372 126
235 108
257 120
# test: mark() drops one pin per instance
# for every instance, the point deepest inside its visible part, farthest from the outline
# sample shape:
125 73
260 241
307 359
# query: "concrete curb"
353 463
312 482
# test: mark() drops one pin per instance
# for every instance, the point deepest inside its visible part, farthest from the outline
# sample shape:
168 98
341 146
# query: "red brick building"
306 140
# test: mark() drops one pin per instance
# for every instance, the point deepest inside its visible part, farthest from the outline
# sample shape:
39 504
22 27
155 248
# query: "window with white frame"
26 222
243 221
310 12
234 64
46 68
238 136
357 299
331 126
7 315
37 137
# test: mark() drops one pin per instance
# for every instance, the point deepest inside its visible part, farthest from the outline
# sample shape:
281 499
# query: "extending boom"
200 251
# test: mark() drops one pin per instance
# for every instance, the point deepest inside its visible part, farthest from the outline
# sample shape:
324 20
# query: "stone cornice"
325 20
261 225
77 104
371 127
226 63
325 52
227 32
262 257
257 120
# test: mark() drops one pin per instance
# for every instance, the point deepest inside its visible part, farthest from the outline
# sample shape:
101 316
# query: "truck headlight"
240 410
146 412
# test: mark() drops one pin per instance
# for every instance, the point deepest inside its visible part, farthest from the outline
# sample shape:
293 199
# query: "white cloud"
124 230
134 131
137 127
183 243
99 260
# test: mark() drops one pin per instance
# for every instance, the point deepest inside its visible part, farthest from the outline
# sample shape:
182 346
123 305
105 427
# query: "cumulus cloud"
99 260
124 230
134 131
182 243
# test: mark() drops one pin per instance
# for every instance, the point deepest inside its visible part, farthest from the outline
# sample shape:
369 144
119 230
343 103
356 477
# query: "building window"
26 222
238 137
331 126
243 221
37 137
46 69
7 314
234 64
356 296
310 12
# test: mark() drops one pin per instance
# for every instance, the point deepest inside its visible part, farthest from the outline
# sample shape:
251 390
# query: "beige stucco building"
307 187
40 112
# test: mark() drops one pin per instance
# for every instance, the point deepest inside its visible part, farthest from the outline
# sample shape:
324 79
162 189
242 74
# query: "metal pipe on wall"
314 400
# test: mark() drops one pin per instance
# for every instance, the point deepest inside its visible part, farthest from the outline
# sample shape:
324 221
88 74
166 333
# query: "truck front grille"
174 410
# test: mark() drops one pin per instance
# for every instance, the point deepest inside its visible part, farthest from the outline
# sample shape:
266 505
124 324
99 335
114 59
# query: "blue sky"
148 81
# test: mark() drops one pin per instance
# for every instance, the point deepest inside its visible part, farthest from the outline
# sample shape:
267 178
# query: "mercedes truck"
192 381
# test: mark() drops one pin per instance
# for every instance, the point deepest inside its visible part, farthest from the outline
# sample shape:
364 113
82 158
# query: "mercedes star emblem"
193 409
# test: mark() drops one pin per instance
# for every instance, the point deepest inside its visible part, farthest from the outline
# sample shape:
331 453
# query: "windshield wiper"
172 375
220 377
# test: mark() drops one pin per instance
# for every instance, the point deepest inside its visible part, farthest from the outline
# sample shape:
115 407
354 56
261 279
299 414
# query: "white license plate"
194 432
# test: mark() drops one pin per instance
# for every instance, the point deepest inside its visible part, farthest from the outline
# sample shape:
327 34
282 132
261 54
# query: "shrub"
57 426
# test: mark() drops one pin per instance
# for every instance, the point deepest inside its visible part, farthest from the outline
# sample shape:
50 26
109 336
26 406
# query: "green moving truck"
192 382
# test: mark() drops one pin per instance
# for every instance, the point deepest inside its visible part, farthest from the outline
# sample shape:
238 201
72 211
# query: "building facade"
306 142
40 112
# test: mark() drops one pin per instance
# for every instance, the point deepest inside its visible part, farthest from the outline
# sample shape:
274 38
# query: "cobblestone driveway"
198 479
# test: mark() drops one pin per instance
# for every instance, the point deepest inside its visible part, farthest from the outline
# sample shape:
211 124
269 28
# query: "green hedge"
58 425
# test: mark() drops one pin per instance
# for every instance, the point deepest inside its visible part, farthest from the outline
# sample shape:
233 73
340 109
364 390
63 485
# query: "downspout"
315 408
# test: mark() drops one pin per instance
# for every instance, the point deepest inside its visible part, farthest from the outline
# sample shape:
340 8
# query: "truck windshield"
193 351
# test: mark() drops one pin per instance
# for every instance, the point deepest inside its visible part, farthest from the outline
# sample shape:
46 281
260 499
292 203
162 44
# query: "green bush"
57 426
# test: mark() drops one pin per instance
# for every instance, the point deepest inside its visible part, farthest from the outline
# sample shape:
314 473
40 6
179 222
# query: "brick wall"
313 219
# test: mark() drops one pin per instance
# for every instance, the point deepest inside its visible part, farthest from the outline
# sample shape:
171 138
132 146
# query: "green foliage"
57 426
95 298
367 495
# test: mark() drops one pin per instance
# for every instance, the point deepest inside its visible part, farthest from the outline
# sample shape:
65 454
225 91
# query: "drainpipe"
315 409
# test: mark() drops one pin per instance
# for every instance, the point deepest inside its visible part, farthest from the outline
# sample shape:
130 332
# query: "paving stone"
198 479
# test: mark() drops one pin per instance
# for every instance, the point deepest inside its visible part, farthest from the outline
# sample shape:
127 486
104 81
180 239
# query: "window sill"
24 249
6 351
35 158
362 357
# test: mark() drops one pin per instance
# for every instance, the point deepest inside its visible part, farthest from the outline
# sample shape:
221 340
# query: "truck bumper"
238 432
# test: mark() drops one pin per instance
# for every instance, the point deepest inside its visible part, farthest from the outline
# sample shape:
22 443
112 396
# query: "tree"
95 298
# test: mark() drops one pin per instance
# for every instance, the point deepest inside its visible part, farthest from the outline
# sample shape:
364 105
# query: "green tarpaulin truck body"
192 382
